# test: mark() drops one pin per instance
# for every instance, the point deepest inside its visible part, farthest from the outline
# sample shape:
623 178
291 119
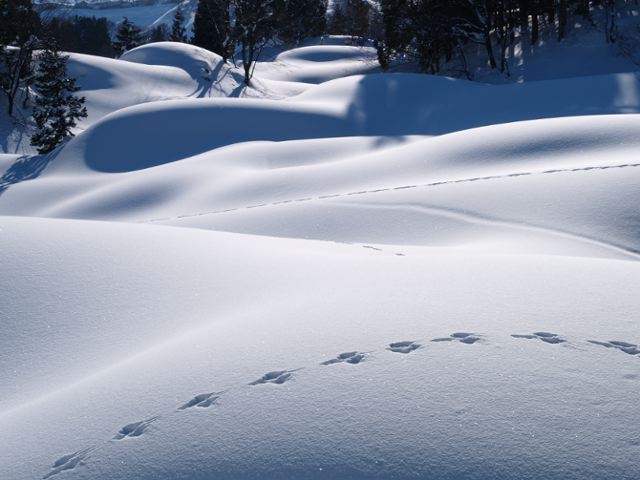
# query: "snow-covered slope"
167 334
384 276
144 13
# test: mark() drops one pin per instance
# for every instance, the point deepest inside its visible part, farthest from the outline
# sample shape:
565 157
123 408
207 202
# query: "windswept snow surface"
387 276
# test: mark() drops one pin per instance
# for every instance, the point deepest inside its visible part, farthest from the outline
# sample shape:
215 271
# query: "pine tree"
128 36
298 20
338 22
158 34
212 27
358 18
178 32
56 108
396 20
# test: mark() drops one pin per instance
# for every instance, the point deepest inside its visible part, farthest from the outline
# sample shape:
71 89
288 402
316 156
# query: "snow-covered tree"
128 36
56 107
212 27
178 32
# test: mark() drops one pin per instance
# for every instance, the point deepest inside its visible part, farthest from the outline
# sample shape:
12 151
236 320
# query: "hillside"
335 273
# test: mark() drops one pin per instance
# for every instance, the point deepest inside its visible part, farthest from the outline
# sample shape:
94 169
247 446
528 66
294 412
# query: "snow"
582 53
145 13
333 273
318 64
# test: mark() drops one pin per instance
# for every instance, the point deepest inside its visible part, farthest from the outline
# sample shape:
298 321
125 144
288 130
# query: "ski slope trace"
333 273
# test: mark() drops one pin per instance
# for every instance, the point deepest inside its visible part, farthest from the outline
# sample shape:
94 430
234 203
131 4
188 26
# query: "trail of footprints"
403 187
279 377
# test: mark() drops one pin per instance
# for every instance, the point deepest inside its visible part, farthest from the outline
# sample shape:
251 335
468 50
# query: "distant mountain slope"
144 13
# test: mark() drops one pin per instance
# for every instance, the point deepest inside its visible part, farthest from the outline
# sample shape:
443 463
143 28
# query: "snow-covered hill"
332 274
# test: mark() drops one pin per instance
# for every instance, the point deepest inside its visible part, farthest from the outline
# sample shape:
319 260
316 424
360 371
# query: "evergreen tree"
158 34
212 27
298 20
358 18
178 32
128 36
338 22
81 34
398 31
56 108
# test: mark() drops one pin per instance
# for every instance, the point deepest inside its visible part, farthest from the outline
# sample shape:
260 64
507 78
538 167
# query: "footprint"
407 346
203 400
546 337
278 377
134 429
349 357
468 338
626 347
68 462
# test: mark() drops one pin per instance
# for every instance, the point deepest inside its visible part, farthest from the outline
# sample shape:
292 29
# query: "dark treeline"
81 34
431 32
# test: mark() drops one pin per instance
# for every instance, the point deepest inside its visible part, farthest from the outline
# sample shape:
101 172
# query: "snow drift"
379 276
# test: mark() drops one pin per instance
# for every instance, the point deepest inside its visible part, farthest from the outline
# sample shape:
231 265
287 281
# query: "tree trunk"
489 47
562 19
10 102
551 11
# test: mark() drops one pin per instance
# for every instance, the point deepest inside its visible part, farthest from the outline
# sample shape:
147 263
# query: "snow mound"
319 53
162 132
376 190
374 105
389 103
219 359
319 63
197 62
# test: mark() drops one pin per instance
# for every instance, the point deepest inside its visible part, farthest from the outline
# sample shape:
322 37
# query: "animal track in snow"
203 400
278 377
134 429
626 347
546 337
468 338
407 346
68 462
404 187
347 357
